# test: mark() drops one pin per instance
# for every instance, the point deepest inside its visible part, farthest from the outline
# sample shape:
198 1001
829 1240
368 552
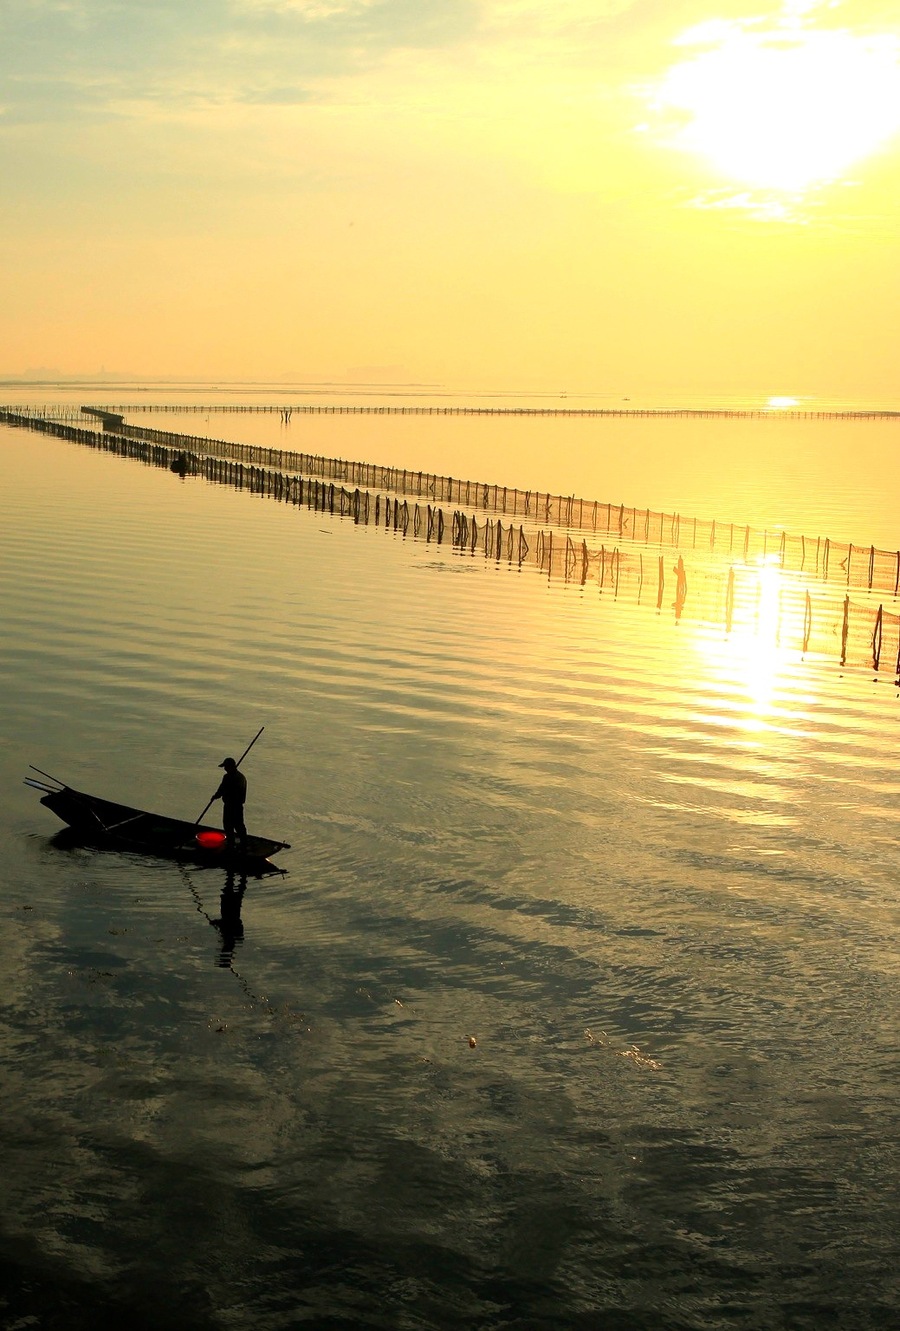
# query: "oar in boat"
51 790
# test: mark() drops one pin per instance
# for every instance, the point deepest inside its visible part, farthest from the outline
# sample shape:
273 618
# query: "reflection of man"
230 925
233 794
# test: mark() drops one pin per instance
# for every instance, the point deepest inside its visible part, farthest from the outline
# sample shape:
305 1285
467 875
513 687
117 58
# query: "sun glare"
784 106
752 655
762 654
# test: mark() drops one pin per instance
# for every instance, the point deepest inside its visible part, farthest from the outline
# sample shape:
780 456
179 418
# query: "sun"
782 106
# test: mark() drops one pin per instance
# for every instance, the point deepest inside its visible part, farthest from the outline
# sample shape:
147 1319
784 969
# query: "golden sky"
625 196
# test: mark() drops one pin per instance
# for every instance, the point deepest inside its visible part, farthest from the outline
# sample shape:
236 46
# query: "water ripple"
578 999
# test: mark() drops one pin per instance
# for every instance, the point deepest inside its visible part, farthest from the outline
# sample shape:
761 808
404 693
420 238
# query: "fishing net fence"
854 566
741 579
68 411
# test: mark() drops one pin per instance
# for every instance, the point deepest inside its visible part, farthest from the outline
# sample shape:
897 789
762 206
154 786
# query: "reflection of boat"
118 827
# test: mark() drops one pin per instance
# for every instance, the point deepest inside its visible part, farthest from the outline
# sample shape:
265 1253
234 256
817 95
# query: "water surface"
577 1005
830 476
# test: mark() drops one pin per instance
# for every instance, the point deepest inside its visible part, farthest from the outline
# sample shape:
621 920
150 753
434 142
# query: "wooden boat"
119 827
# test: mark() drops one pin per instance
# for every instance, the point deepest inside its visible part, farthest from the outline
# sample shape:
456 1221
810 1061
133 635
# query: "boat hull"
120 827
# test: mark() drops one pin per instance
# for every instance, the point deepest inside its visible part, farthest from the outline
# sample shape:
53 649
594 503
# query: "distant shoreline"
419 398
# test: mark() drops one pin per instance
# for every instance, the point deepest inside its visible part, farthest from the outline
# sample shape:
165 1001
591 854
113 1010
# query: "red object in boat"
210 840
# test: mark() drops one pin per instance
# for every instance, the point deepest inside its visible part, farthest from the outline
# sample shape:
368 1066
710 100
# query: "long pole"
237 764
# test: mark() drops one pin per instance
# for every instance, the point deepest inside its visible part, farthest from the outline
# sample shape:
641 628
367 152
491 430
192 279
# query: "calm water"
831 478
648 870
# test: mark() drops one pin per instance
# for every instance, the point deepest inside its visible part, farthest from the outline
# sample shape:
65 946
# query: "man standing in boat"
233 794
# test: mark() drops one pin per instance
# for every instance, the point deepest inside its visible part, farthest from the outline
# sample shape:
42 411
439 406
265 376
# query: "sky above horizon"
625 196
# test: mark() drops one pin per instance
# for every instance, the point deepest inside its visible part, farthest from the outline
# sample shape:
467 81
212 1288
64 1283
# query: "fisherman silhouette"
233 794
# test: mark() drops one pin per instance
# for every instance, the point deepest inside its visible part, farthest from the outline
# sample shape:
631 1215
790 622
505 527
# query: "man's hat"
228 762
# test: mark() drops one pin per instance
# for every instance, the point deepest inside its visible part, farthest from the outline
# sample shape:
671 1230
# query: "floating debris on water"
633 1053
